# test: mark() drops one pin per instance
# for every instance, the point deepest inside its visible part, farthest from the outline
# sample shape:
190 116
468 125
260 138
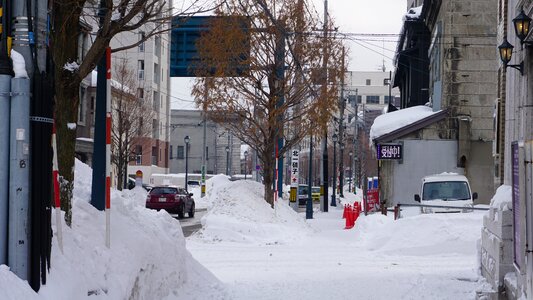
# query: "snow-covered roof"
413 13
389 122
444 177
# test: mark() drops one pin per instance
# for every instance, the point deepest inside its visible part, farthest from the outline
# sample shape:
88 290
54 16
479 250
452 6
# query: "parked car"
303 190
191 184
446 189
315 193
172 199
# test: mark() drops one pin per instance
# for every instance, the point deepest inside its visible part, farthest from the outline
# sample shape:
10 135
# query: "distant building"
218 160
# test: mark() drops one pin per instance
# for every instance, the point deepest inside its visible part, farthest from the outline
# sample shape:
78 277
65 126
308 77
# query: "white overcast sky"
366 53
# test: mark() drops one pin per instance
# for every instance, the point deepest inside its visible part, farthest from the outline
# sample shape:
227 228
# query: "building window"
206 153
181 152
351 98
140 93
157 44
155 130
155 101
156 73
171 157
154 155
141 39
140 69
386 81
368 82
372 99
389 99
82 108
139 154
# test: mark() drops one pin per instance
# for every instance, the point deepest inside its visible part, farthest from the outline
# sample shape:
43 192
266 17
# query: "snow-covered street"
246 250
418 257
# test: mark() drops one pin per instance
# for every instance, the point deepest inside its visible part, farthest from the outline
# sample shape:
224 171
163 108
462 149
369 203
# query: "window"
140 69
141 38
368 82
389 99
372 99
170 152
386 81
157 44
82 108
156 73
206 153
140 93
154 155
351 98
155 101
155 130
181 152
139 154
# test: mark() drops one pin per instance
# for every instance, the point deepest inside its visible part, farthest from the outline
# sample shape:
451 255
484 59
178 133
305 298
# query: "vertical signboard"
295 165
517 224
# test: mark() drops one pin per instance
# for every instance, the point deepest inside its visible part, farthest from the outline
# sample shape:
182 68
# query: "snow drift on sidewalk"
238 213
147 258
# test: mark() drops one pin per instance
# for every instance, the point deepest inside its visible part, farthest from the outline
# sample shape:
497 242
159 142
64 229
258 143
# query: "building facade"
223 150
150 61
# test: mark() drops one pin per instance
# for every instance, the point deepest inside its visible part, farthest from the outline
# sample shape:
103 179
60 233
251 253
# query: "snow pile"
238 213
503 198
12 287
389 122
413 13
19 65
421 235
147 258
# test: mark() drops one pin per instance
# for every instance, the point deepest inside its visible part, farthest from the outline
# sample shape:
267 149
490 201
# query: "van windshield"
446 190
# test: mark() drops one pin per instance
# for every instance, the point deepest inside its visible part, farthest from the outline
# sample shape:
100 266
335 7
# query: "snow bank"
237 212
421 235
503 198
147 258
389 122
413 13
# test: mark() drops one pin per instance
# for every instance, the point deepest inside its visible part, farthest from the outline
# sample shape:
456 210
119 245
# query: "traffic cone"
344 211
349 218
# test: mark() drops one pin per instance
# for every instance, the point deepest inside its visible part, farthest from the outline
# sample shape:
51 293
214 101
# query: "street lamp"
521 26
187 140
341 181
350 185
227 160
335 138
245 163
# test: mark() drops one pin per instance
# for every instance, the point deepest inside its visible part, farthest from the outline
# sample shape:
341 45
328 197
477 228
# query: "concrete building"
150 61
462 81
218 139
507 236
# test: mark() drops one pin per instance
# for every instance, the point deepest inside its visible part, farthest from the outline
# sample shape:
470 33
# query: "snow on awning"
392 121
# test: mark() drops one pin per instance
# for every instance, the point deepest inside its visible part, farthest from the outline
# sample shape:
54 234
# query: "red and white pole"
57 201
108 151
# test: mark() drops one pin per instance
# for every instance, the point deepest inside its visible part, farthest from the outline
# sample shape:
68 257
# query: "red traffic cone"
344 211
349 218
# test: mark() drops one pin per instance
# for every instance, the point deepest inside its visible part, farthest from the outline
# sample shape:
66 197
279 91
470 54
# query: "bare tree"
131 114
113 17
272 93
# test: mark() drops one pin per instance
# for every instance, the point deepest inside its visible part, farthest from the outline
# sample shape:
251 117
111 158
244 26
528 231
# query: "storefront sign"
390 151
294 169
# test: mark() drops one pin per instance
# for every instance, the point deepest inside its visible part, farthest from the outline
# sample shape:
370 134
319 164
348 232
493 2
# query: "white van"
445 189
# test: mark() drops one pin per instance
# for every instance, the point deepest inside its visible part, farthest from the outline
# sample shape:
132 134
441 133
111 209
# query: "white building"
151 62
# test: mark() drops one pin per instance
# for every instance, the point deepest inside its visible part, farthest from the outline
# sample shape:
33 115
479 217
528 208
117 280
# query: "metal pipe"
5 89
19 178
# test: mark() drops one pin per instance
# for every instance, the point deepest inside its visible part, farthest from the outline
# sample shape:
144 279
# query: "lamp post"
187 140
351 163
335 138
245 163
521 26
341 181
227 160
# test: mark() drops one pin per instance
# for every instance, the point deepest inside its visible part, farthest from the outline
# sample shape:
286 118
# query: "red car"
172 199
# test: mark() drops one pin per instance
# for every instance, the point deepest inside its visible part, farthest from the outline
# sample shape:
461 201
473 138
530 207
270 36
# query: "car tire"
181 213
192 211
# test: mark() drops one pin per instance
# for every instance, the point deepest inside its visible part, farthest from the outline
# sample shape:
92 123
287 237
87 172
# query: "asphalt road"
191 225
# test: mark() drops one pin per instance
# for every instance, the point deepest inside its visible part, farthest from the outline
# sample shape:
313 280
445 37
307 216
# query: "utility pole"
6 73
309 202
18 251
280 90
355 144
204 143
341 130
324 200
